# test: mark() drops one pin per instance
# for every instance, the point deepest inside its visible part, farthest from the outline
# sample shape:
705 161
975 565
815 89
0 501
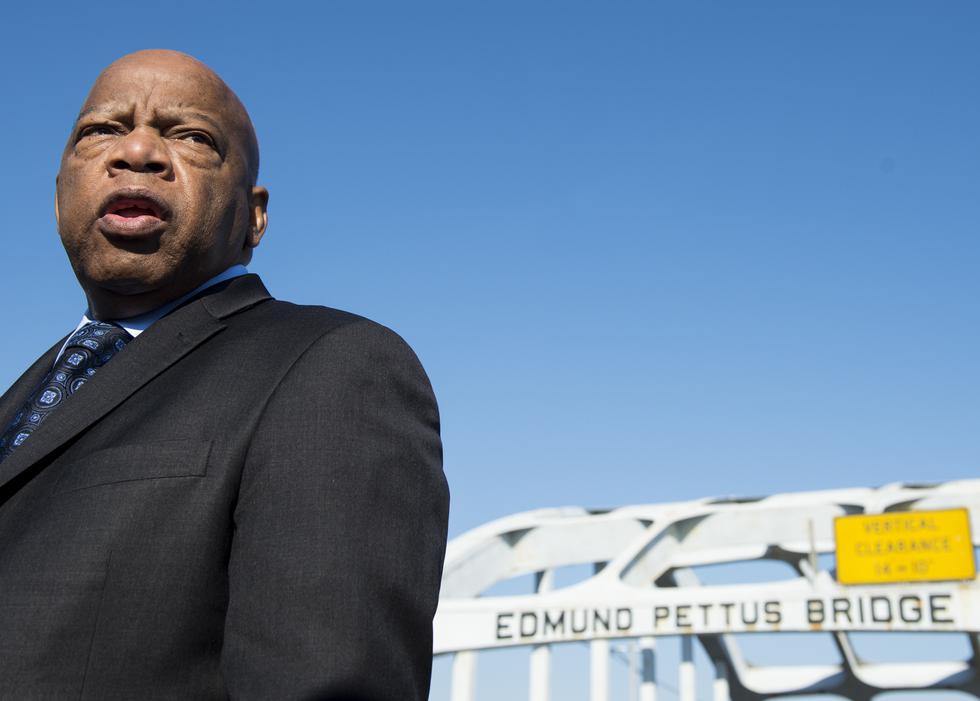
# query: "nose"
139 151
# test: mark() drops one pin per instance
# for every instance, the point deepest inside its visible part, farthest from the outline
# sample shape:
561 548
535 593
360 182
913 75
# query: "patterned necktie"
88 349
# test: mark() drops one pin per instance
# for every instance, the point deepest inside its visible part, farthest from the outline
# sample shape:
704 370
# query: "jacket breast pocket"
140 461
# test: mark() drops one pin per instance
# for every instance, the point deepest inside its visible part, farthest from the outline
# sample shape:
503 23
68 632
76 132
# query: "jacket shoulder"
302 326
315 317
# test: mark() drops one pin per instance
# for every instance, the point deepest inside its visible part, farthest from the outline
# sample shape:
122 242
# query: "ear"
260 216
57 215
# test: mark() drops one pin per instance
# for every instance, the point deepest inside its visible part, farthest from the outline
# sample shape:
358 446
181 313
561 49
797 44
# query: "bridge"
899 558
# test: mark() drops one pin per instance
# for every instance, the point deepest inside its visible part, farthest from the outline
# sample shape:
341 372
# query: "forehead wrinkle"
183 109
105 108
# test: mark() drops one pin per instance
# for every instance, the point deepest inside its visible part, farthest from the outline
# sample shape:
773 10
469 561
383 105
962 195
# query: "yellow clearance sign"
907 546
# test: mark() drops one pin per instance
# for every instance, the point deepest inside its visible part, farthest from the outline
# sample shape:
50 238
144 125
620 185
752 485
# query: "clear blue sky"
647 251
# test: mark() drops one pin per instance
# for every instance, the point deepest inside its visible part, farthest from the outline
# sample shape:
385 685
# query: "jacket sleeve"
340 529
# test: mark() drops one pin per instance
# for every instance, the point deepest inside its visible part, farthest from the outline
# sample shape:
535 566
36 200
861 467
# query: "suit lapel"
13 399
155 350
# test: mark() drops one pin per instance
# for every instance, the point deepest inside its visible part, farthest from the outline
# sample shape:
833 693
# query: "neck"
106 303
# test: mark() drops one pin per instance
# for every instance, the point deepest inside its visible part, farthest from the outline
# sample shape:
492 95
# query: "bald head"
153 63
156 191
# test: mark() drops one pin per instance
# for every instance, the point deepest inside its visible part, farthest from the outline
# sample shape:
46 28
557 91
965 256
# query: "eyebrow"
108 109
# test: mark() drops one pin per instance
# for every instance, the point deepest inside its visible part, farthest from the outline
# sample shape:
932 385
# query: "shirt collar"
136 325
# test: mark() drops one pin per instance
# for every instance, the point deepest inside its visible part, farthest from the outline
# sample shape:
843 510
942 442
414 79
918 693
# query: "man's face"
155 192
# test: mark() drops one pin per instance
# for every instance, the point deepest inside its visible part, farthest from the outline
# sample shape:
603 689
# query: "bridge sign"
904 546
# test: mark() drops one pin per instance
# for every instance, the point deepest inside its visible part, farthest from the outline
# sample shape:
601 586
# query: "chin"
123 279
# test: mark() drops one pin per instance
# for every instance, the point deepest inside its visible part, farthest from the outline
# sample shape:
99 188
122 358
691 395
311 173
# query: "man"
204 492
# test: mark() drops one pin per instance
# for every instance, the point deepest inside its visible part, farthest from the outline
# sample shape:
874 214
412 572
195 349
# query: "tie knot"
100 336
101 339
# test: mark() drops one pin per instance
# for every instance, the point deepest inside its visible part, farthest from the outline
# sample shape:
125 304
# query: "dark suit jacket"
247 501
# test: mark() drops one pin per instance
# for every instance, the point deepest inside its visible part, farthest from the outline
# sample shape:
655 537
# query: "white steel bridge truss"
644 586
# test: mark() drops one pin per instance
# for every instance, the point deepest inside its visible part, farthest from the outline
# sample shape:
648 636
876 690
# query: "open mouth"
130 207
133 213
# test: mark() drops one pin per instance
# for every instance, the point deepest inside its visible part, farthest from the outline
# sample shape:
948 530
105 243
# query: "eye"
197 137
97 130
